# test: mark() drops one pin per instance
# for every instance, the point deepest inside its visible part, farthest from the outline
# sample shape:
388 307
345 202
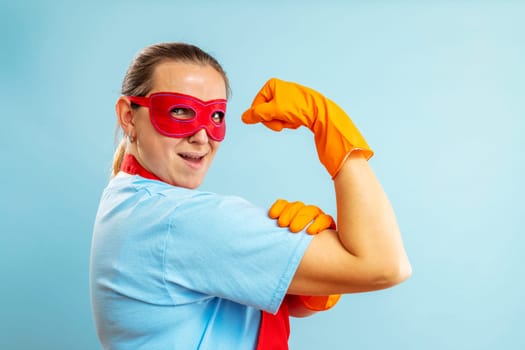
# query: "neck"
131 166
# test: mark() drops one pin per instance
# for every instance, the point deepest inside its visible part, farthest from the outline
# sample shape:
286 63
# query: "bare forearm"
366 221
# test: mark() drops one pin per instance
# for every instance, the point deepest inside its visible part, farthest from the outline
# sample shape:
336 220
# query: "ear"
125 116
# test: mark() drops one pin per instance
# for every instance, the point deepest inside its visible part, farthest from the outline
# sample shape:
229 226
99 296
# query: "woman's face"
183 161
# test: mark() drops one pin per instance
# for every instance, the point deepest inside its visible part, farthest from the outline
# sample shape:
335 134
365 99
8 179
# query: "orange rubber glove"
296 216
280 104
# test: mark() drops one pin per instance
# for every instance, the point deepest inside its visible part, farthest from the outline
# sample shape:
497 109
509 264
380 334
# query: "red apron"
274 330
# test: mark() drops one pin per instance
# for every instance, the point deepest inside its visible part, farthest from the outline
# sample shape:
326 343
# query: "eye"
182 113
217 117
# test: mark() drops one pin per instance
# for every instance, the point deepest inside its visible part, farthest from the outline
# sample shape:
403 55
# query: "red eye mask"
178 115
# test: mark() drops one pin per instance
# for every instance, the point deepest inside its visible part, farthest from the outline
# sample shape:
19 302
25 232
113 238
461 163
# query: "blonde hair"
138 79
118 156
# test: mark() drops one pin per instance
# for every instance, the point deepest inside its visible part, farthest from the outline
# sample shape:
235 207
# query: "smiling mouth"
193 158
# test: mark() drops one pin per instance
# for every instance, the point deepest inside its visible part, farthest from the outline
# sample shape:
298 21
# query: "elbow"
395 273
387 274
401 274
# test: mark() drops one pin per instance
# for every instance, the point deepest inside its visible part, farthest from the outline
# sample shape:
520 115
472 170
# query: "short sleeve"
226 247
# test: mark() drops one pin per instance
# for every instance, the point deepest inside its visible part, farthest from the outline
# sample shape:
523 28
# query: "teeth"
191 156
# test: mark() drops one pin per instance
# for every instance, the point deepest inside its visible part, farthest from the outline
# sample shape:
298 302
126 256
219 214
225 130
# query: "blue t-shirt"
173 268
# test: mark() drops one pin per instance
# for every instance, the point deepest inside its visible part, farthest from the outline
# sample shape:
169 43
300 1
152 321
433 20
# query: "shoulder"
164 196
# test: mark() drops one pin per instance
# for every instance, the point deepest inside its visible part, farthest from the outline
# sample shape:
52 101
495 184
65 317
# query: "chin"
192 185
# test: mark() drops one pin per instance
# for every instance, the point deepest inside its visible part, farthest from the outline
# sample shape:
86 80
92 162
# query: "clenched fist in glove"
280 104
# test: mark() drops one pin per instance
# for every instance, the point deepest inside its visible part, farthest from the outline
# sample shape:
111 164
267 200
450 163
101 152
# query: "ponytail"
118 156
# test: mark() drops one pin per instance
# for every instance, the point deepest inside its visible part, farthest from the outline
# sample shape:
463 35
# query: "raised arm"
366 253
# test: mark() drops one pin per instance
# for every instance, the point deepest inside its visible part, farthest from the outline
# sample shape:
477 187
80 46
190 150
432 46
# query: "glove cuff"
320 303
336 137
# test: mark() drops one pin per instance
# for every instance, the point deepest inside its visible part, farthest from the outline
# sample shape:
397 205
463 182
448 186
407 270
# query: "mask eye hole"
182 113
217 117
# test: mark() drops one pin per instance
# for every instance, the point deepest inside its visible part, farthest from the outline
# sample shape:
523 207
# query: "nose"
200 137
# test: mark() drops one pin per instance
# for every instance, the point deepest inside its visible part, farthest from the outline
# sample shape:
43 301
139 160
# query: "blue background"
437 88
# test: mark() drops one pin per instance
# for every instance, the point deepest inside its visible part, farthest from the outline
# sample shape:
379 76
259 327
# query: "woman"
174 267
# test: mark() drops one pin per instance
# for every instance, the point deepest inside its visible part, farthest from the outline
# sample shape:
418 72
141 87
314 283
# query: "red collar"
131 166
